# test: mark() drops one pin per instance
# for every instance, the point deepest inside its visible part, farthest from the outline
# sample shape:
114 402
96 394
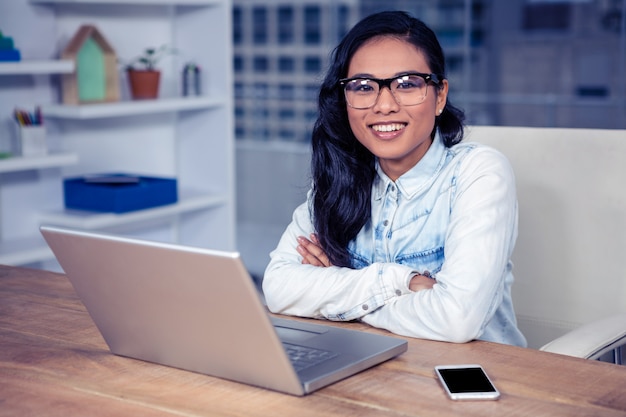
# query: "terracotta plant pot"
144 84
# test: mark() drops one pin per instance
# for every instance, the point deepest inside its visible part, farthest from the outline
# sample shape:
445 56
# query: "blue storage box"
118 193
10 55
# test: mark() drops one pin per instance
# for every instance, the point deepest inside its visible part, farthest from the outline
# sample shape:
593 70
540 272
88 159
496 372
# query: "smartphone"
466 382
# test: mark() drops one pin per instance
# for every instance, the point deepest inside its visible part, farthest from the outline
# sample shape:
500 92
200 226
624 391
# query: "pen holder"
32 140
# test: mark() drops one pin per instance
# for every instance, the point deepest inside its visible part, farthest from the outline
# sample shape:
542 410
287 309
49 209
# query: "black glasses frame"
386 82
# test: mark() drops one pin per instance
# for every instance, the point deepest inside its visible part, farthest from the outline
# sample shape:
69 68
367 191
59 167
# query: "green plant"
149 58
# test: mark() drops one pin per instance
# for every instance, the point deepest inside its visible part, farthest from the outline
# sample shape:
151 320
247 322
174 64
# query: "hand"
421 282
312 252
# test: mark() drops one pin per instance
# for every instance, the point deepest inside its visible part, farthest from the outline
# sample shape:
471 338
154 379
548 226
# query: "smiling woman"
405 228
396 125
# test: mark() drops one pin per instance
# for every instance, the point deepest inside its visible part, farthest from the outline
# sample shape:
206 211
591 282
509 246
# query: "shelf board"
133 2
37 67
24 251
20 163
87 220
129 108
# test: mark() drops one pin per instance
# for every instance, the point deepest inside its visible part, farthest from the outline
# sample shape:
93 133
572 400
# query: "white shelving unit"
19 163
94 221
189 138
131 108
25 250
37 67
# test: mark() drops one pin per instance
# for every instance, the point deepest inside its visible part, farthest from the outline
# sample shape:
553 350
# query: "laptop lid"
199 310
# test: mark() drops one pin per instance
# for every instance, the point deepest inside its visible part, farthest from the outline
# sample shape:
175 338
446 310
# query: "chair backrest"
570 254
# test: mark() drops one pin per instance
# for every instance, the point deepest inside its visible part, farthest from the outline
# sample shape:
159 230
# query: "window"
285 25
310 115
312 25
259 25
591 70
547 16
454 63
261 64
343 14
531 62
286 114
286 64
239 63
312 64
286 134
239 90
311 92
450 38
237 26
260 91
285 92
592 91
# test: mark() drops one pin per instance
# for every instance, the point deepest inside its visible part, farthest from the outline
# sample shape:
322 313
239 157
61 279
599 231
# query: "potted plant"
143 75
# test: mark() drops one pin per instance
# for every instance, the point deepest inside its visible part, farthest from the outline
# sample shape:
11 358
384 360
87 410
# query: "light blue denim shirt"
453 216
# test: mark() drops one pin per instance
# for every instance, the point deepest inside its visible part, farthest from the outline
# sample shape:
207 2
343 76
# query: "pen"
25 118
38 115
18 117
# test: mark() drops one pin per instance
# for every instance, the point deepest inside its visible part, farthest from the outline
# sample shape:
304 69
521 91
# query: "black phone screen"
461 380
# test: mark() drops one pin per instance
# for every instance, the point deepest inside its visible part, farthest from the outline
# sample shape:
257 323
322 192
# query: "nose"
386 102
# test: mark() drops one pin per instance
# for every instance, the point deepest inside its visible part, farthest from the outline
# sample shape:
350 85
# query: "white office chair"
570 219
593 340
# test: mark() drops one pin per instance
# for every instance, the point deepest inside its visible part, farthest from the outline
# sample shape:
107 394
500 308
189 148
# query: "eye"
410 82
361 85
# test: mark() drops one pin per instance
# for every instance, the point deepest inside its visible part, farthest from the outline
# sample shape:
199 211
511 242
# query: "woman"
405 228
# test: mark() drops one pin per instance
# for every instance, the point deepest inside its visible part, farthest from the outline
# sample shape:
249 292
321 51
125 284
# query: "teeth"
388 128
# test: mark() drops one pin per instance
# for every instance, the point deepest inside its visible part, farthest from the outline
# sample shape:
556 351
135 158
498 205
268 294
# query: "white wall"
272 180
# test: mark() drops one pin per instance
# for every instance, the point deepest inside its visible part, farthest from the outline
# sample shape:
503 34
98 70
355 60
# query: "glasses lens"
361 93
408 90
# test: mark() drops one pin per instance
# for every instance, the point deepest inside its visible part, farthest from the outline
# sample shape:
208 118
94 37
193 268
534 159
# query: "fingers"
315 240
316 250
312 252
421 282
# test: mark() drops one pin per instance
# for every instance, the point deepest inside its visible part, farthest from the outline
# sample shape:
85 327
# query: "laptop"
199 310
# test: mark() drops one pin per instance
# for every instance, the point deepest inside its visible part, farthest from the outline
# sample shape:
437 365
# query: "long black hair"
343 170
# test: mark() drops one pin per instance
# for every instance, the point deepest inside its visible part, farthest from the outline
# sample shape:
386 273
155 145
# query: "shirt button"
398 292
386 223
365 307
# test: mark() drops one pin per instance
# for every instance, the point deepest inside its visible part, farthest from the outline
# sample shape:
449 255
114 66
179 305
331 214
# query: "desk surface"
53 362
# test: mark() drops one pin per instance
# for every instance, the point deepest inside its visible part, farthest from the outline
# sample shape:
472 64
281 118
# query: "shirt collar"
417 178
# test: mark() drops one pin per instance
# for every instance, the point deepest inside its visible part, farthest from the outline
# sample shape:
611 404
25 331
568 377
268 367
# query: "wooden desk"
53 362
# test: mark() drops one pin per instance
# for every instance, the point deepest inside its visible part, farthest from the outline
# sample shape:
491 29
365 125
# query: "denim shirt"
453 216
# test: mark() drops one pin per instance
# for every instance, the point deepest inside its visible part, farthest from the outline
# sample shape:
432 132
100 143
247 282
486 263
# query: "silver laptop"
199 310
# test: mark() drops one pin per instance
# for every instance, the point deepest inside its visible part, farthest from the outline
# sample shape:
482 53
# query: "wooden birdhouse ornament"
95 78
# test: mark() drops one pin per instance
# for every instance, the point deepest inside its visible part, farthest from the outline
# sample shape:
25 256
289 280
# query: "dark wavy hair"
343 169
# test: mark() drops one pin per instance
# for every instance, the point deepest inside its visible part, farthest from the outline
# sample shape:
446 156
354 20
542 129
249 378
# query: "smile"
389 127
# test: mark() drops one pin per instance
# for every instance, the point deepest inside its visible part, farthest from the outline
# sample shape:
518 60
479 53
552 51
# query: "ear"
442 97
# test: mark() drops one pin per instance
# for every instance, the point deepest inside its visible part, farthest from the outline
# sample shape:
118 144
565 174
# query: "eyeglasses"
408 89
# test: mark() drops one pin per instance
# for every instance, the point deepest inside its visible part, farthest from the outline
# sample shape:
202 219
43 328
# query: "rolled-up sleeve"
333 293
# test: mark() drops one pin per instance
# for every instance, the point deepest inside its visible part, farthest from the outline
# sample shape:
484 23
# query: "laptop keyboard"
303 357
